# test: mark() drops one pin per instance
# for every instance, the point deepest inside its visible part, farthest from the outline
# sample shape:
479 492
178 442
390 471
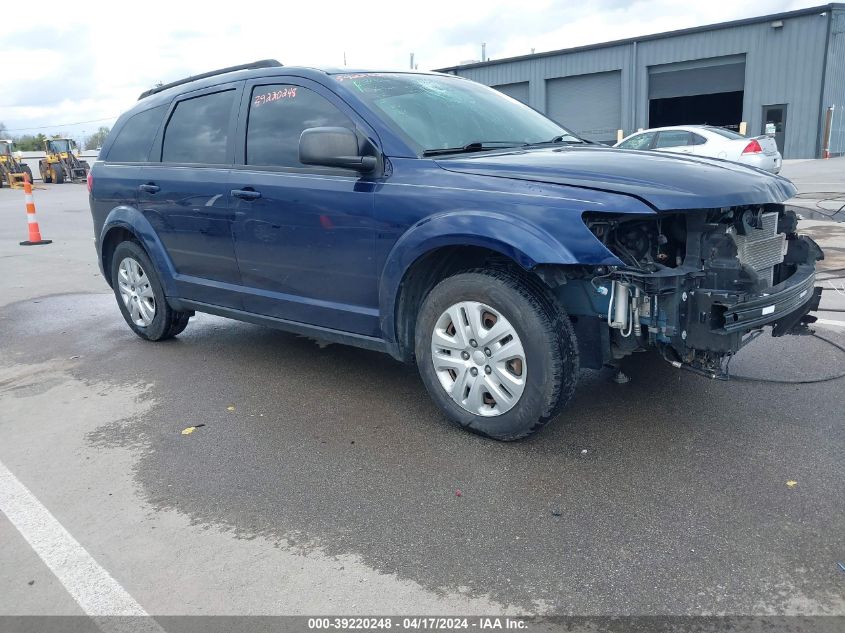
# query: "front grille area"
762 249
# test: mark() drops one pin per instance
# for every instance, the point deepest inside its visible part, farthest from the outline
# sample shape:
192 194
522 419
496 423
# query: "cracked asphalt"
325 481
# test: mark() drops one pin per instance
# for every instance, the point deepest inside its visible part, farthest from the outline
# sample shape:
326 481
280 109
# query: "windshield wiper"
475 146
563 139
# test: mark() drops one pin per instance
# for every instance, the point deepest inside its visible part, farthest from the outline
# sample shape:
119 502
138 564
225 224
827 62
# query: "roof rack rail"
262 63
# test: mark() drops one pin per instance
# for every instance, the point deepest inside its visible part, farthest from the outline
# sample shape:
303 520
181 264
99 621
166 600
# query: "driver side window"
640 141
277 116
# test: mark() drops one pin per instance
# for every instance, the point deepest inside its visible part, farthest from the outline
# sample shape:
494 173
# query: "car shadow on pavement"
670 476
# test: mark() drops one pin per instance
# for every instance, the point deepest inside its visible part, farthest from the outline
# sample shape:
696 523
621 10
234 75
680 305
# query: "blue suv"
444 223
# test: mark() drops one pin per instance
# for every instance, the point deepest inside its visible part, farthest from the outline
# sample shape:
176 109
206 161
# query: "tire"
165 322
28 172
45 174
547 370
58 174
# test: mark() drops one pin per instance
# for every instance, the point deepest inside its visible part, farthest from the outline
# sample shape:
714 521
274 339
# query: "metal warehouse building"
786 70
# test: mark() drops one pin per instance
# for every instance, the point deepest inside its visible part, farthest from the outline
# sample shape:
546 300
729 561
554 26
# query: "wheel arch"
438 247
127 223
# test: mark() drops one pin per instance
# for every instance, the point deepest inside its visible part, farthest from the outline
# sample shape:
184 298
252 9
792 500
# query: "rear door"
304 235
185 194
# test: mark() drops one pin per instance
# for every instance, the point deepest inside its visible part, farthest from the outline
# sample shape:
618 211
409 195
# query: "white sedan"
708 140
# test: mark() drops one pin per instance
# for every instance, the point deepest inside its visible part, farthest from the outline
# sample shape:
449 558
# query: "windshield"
433 112
60 145
5 148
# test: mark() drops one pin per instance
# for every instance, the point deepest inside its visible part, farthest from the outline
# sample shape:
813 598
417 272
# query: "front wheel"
140 295
496 352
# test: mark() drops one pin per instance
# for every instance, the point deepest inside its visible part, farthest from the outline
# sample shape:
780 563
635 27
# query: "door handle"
246 194
149 188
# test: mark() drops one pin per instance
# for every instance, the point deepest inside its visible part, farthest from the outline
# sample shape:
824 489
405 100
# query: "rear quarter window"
135 138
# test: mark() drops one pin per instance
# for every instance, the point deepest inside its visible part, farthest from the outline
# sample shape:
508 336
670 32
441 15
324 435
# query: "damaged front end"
697 284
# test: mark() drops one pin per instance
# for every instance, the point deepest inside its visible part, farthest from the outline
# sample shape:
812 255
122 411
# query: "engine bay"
699 284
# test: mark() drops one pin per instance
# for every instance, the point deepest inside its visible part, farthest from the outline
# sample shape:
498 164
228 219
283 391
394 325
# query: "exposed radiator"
762 249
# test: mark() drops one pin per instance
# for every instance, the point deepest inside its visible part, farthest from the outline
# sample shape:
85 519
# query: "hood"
664 181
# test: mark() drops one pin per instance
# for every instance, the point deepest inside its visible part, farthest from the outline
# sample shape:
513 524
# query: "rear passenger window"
277 116
697 139
198 130
135 138
672 138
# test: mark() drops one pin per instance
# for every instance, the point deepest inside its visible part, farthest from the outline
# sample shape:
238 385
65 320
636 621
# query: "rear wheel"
496 353
58 174
140 295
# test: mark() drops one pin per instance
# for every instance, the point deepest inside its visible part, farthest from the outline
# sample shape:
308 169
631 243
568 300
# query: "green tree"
2 130
29 143
97 139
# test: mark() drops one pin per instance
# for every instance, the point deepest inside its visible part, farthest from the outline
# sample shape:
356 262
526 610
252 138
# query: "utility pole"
412 61
484 51
344 58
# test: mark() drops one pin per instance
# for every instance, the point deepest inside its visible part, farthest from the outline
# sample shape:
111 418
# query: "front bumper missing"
796 294
718 320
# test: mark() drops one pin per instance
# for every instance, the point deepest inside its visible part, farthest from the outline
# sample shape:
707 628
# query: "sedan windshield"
441 113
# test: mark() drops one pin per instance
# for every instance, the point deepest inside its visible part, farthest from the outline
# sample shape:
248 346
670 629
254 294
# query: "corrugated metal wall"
834 94
782 65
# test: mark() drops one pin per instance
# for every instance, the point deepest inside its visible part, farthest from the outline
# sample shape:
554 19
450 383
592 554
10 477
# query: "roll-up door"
589 105
517 91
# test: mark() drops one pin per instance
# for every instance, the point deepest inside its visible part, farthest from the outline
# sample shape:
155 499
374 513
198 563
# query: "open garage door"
706 91
518 91
589 105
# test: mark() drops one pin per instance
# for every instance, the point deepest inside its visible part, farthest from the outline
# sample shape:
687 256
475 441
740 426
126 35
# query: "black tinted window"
672 138
135 138
198 130
277 116
697 139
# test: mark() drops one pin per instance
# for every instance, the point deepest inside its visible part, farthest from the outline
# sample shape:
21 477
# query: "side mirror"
333 147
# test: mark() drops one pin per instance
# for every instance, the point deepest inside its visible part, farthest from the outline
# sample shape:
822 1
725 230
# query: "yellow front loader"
12 170
62 162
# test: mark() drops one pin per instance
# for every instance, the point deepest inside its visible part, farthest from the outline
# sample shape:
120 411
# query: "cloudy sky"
80 69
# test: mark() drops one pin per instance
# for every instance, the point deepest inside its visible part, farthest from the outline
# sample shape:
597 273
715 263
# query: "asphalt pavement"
324 481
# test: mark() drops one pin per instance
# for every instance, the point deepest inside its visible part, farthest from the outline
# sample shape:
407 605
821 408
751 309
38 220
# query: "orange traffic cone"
34 231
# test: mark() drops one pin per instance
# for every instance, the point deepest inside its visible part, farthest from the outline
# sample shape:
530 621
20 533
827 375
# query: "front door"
304 235
186 197
774 124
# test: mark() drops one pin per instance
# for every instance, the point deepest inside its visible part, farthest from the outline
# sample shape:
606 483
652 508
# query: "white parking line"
832 322
93 588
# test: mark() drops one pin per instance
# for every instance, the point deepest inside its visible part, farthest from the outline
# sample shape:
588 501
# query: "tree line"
35 142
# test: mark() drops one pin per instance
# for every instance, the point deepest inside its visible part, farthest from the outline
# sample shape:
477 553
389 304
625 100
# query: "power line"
47 127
